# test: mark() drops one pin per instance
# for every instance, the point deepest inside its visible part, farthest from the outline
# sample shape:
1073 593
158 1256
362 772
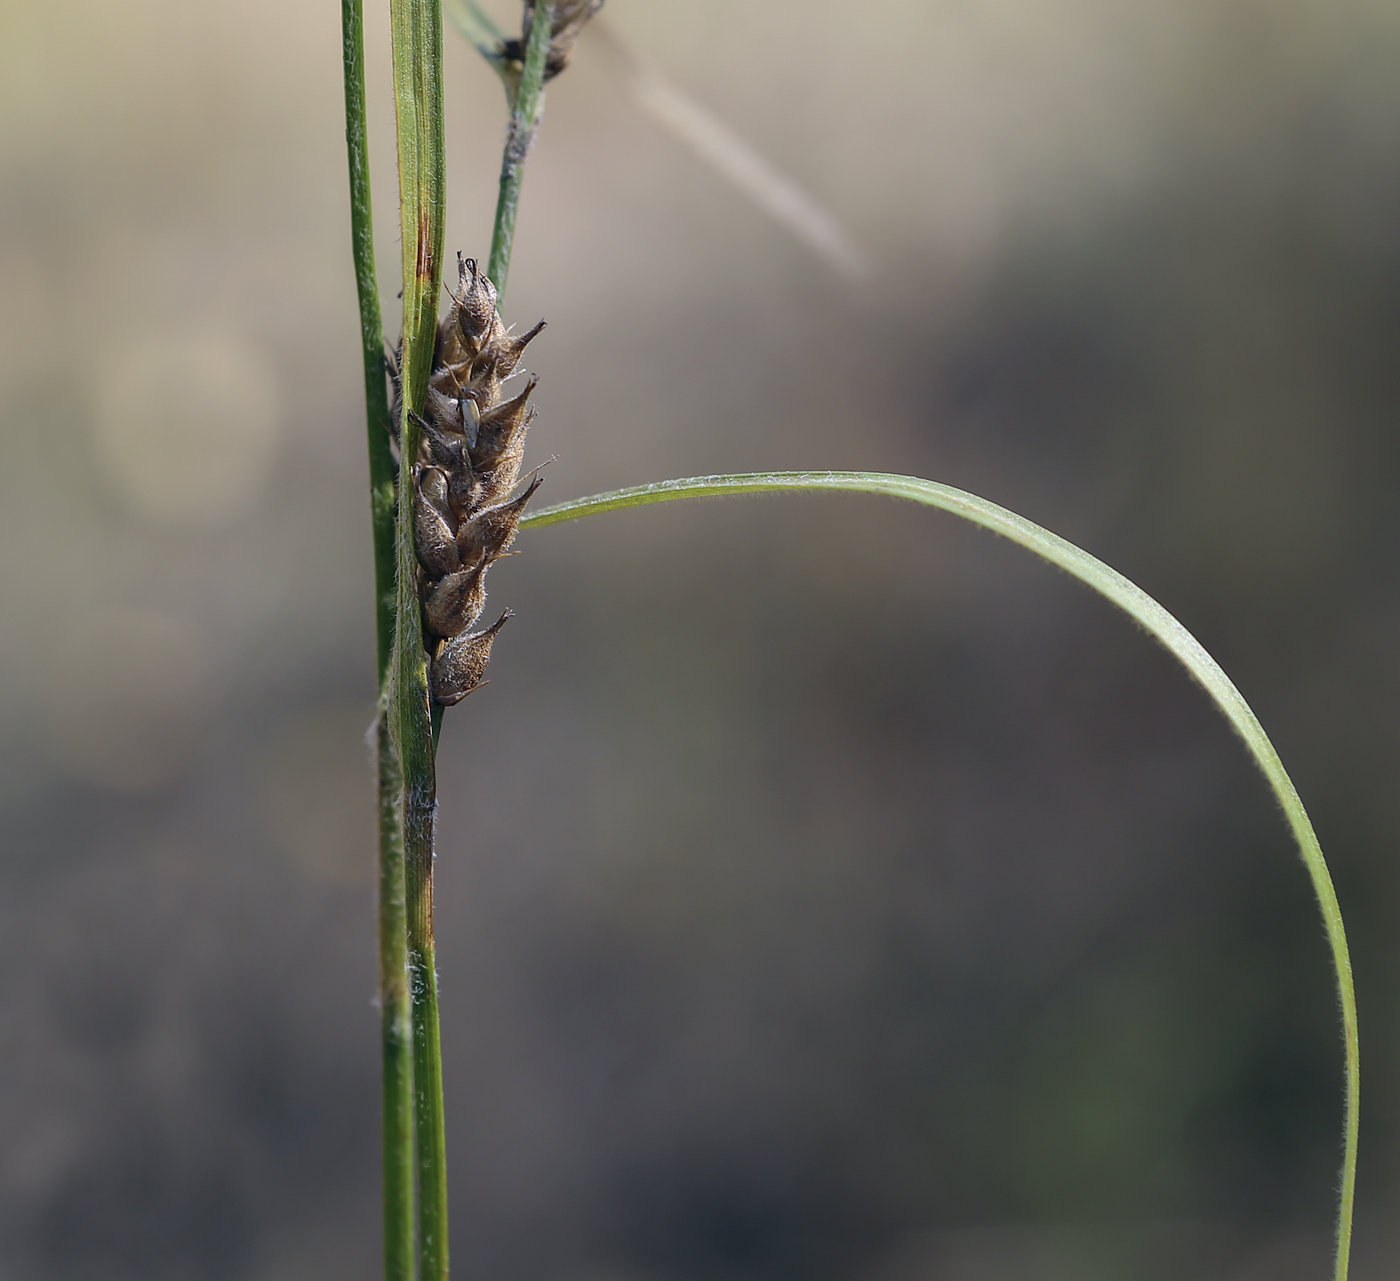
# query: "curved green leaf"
1128 597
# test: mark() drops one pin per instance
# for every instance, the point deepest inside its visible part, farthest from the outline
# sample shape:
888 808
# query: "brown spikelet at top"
472 446
570 16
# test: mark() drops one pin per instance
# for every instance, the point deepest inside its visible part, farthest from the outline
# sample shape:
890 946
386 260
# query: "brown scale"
472 446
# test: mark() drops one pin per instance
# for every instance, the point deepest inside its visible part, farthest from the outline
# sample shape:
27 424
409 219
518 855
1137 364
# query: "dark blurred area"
826 890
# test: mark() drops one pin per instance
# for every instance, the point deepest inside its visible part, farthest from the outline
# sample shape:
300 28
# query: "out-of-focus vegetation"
951 937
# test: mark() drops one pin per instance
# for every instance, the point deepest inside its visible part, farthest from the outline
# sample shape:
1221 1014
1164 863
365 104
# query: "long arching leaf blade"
1134 601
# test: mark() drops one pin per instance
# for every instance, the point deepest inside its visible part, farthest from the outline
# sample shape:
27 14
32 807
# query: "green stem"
1146 611
427 1076
396 1017
526 111
395 1013
416 29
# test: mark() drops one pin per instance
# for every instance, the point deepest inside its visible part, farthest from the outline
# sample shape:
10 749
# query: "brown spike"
448 347
444 410
481 385
448 451
450 377
505 351
456 602
471 323
445 449
432 485
464 493
478 298
492 530
461 662
495 485
432 532
468 464
501 429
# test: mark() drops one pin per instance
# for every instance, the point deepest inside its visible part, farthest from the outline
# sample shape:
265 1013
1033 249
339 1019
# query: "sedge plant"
410 396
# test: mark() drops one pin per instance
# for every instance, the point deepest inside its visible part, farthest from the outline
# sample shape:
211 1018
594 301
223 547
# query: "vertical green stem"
427 1047
396 1016
394 1001
525 115
416 27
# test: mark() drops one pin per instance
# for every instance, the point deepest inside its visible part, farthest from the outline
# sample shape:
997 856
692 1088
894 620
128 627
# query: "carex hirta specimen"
465 513
450 505
445 502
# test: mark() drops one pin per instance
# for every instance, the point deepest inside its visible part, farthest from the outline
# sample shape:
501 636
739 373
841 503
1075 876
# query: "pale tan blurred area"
825 891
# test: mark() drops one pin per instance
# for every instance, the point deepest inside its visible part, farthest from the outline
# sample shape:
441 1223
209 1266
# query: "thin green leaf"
1146 611
396 1033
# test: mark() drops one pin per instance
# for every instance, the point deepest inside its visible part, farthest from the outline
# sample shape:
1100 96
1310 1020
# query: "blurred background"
827 890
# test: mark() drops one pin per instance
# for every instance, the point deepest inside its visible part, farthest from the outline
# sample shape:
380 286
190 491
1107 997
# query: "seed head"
471 447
